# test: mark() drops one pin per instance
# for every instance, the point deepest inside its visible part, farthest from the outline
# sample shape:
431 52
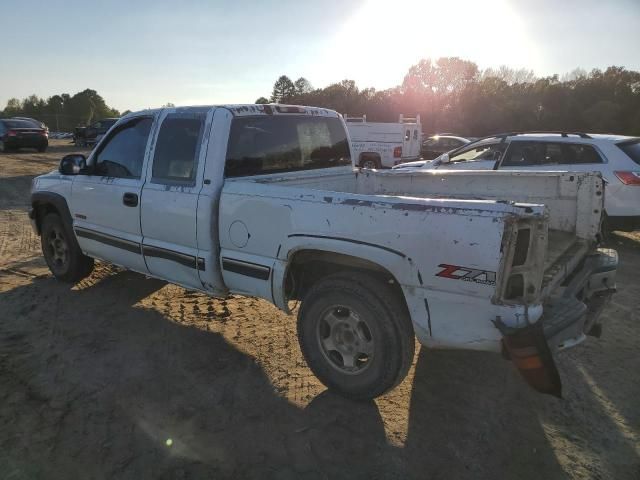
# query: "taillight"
44 133
629 178
397 152
12 133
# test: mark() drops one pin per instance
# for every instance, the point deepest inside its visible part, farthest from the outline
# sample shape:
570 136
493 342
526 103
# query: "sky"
144 53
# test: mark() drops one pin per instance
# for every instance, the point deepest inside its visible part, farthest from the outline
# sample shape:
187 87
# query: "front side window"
271 144
178 148
122 154
489 151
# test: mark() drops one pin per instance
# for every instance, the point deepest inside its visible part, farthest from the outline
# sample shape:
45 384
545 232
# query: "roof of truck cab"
250 109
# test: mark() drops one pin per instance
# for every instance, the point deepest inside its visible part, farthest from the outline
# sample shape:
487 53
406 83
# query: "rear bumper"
566 320
26 142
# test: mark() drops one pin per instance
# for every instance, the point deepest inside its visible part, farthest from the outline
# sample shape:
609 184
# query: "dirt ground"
126 377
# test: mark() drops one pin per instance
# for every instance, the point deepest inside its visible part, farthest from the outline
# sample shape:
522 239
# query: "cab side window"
122 154
178 148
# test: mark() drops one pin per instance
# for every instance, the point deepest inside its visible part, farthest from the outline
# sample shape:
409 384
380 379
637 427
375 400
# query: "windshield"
271 144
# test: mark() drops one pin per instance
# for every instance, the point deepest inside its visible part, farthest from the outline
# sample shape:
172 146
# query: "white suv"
616 157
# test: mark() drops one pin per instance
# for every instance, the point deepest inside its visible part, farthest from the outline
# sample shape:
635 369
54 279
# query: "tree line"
61 112
450 94
454 95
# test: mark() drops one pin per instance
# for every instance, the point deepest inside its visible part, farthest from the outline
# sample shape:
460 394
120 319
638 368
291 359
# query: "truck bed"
573 201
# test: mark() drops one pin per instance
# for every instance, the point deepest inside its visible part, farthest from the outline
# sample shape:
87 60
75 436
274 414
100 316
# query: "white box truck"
383 145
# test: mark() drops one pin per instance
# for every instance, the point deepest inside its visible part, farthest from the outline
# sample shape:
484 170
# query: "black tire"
370 162
43 148
62 252
383 326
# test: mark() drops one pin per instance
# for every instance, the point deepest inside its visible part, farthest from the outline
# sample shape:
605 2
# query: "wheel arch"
43 203
309 260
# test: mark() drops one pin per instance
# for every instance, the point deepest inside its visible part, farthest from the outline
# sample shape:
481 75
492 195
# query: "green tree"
262 101
283 90
302 86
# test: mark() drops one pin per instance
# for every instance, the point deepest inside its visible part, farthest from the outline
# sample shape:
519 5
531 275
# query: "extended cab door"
105 203
170 198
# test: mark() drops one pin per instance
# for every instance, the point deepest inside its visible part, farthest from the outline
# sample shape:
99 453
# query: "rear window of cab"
285 143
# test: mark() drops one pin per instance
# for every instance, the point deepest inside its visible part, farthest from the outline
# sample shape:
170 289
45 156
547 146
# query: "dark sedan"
438 144
17 133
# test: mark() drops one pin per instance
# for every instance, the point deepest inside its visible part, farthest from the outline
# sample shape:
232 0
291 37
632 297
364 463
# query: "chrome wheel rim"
57 248
345 340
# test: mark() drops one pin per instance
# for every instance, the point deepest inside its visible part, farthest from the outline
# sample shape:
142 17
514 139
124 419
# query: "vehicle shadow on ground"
12 191
94 385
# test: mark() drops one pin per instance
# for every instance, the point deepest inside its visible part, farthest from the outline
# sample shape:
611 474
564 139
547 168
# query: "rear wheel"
62 252
370 162
43 148
356 335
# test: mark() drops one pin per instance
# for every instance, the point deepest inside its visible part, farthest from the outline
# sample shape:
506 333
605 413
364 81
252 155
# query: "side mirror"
444 158
72 164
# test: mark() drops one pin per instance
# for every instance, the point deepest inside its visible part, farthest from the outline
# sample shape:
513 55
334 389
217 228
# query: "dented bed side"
449 255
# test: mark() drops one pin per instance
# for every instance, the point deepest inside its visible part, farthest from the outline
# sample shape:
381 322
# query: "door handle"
130 199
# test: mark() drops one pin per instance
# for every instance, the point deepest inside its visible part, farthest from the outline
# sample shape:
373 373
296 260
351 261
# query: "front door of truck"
105 202
170 198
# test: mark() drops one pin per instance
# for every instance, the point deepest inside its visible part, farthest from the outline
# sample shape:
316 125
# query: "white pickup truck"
262 200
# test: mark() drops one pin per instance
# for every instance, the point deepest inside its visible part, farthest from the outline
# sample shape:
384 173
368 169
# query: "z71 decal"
456 272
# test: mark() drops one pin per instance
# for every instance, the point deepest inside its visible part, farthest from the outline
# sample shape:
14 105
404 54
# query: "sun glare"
378 44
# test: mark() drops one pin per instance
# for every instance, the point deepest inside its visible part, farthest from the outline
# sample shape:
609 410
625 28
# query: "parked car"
16 134
262 200
87 136
383 145
616 157
438 144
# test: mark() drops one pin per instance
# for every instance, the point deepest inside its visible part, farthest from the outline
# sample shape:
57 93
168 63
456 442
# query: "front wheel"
356 335
62 252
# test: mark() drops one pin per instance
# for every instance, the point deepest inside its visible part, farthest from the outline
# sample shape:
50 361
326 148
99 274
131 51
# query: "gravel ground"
126 377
